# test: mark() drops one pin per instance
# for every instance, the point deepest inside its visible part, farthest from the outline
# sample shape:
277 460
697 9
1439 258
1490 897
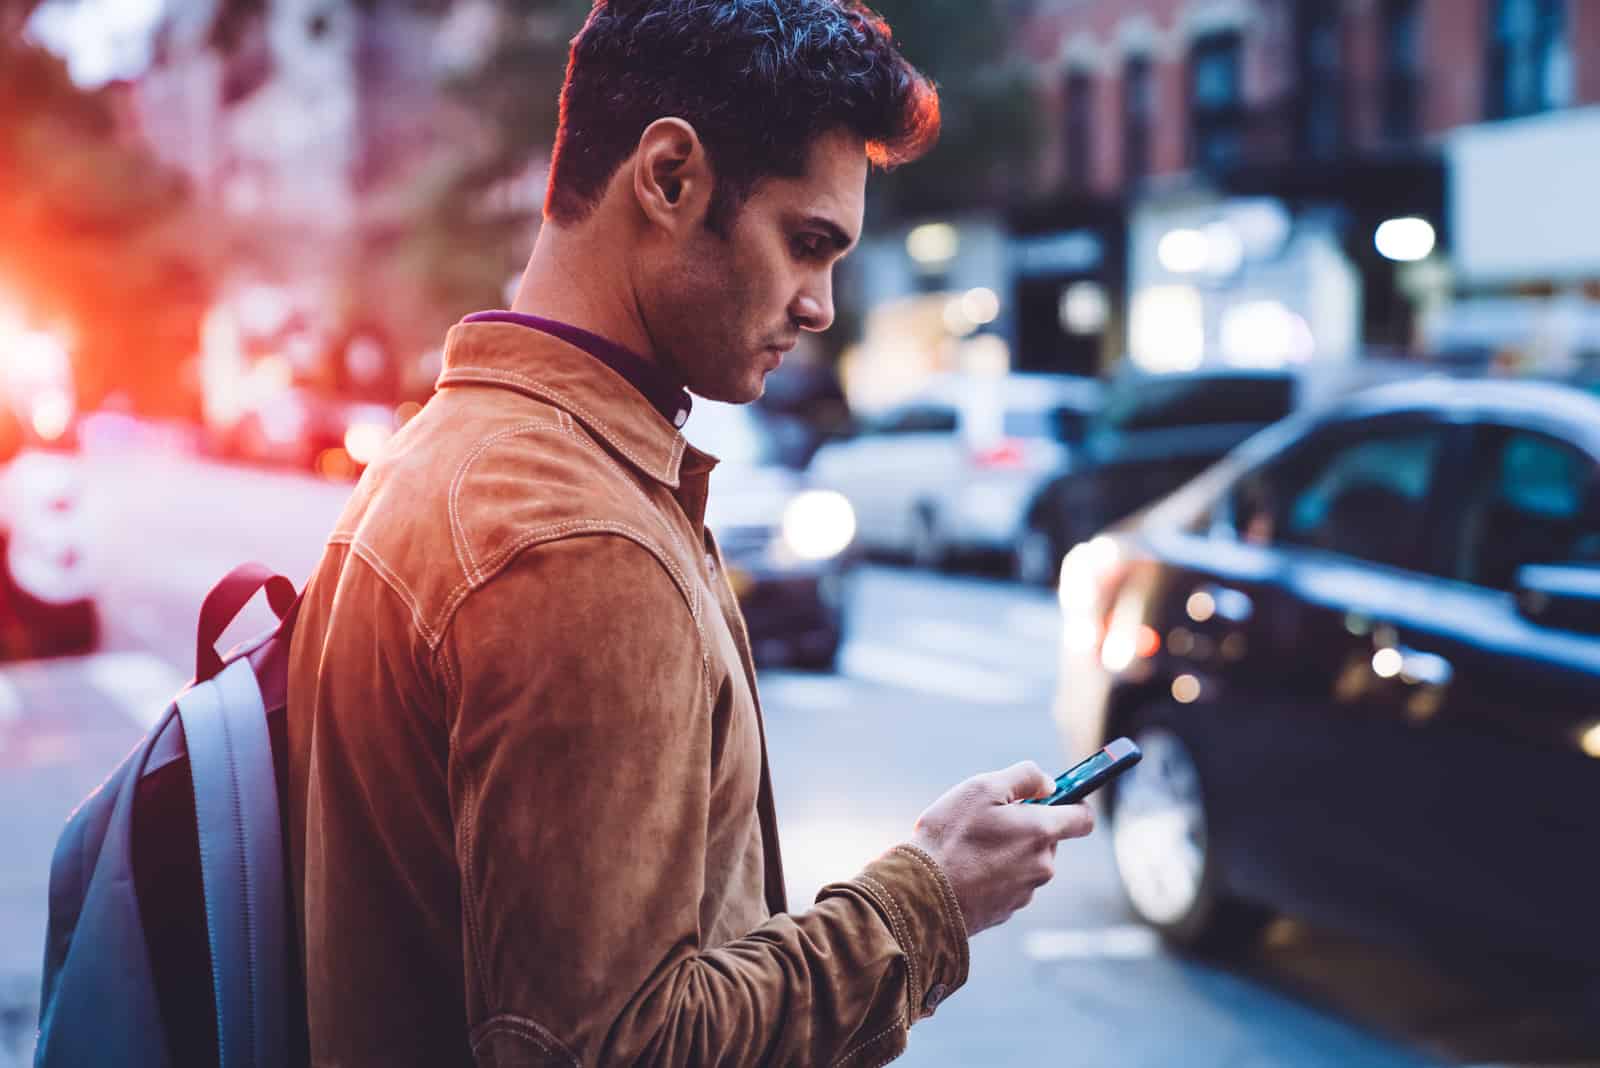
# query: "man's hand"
997 853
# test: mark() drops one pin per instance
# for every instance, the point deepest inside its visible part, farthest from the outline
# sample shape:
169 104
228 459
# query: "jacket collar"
544 367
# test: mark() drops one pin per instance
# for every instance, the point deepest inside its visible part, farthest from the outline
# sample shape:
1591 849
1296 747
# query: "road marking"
1041 622
893 666
10 701
994 646
1123 942
142 684
819 693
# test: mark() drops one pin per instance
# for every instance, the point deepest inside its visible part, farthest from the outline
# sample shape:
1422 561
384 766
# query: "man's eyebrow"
841 241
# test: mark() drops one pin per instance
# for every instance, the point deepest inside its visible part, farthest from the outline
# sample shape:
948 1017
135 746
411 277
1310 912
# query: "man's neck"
575 277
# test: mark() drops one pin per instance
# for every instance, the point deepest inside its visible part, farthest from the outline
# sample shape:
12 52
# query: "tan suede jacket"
531 819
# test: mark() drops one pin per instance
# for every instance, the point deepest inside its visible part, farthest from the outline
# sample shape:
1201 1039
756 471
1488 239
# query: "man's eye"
810 246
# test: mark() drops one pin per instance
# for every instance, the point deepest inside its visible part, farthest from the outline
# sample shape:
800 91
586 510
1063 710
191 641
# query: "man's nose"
813 308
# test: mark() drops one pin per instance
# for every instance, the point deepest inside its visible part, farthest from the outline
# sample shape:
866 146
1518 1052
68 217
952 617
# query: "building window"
1216 113
1402 66
1080 104
1138 115
1319 126
1530 65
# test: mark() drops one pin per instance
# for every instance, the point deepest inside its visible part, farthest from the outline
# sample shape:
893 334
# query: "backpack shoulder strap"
241 862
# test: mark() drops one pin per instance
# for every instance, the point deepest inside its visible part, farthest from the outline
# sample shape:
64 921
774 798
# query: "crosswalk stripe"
10 701
143 685
1120 942
1039 622
992 645
937 675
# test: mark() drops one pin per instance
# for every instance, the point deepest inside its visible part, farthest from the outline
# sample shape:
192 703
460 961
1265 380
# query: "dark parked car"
1362 656
788 547
1153 434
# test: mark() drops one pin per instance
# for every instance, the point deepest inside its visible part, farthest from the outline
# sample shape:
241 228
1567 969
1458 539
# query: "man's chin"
746 391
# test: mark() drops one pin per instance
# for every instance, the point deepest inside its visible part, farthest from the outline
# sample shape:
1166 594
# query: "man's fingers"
1069 821
1023 781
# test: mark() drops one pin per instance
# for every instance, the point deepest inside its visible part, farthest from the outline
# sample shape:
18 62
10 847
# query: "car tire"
1036 559
1160 835
75 629
928 550
55 629
823 661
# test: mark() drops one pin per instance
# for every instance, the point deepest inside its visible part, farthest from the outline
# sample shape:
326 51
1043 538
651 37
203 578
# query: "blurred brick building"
1313 122
315 131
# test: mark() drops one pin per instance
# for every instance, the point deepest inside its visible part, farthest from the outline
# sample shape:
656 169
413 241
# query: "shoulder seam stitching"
364 552
458 534
562 400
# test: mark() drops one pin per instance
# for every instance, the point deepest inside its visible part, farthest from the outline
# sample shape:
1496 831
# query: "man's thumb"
1024 781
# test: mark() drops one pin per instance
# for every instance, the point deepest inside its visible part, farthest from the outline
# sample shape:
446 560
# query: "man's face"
723 310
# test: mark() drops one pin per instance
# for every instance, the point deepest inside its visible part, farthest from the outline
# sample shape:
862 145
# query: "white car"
955 468
46 584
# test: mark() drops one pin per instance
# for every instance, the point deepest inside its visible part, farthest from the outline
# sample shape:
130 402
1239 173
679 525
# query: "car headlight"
818 524
52 414
363 441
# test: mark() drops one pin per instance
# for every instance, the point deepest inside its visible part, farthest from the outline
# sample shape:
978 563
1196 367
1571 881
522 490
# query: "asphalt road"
943 676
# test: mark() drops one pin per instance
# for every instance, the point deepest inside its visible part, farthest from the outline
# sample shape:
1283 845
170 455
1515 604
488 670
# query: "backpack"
170 937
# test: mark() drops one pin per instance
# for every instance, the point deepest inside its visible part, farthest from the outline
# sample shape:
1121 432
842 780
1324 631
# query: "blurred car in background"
310 430
1154 433
955 468
47 604
47 590
788 548
1362 657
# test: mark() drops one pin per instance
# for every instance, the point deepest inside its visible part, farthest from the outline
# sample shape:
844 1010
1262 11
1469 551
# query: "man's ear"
672 176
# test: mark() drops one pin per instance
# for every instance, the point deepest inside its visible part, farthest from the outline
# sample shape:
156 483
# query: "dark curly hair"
759 80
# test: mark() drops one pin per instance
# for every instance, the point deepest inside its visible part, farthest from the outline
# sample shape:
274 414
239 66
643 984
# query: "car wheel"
49 630
822 659
1034 559
1161 839
927 548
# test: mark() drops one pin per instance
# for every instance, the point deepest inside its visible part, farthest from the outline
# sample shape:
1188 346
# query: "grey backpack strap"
241 861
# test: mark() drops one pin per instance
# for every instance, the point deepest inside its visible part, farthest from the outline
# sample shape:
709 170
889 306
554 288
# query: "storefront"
1526 264
1067 272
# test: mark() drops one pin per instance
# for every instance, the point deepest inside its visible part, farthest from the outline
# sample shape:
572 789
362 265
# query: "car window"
1533 502
1364 496
1065 425
732 433
1211 400
918 419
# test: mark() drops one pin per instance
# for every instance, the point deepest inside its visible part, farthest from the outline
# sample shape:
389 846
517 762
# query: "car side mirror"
1564 597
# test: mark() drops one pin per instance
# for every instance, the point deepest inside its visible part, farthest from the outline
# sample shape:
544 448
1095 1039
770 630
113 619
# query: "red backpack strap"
226 600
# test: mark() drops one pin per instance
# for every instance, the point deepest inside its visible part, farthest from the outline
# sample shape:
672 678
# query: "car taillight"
1002 454
1089 577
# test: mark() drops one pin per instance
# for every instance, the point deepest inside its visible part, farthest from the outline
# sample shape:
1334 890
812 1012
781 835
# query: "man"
531 814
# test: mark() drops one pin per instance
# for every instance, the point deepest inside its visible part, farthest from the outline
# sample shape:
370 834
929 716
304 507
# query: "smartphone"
1085 777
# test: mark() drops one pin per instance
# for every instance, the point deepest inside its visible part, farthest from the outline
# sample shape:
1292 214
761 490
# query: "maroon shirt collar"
665 395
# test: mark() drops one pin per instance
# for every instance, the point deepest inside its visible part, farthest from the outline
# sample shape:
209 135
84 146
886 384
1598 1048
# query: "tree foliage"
95 235
463 242
989 123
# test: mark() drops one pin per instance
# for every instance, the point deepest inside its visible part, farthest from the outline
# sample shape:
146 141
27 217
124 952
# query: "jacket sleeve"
580 765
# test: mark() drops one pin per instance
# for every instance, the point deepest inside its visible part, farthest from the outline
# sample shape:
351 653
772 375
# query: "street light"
1406 239
1184 251
981 305
1084 308
933 244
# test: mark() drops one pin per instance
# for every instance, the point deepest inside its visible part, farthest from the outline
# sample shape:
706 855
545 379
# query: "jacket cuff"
920 907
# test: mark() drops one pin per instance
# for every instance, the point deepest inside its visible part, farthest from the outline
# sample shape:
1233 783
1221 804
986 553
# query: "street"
942 677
